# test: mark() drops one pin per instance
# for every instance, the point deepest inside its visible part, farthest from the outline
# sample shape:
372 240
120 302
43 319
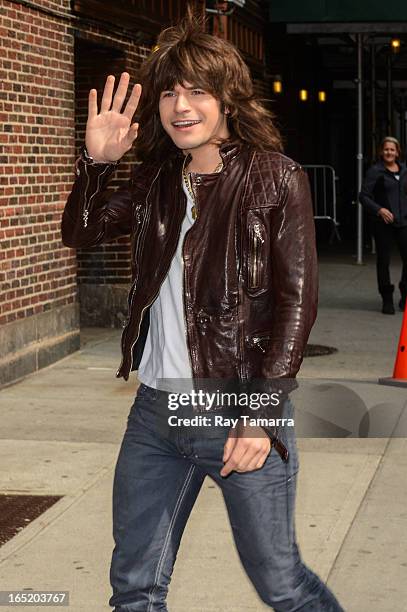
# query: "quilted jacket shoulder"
268 176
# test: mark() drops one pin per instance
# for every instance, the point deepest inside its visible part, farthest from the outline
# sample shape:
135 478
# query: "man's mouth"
186 123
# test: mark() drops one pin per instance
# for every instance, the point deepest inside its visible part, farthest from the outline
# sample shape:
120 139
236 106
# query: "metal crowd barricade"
323 189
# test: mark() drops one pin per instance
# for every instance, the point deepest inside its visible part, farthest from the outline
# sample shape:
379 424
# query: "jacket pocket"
256 255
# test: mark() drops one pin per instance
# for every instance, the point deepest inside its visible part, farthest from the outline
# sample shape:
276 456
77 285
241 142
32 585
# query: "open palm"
110 133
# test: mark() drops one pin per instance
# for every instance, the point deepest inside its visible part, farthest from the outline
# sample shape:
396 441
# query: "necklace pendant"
193 211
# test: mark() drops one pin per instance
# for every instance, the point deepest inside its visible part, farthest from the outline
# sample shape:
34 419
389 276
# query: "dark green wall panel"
294 11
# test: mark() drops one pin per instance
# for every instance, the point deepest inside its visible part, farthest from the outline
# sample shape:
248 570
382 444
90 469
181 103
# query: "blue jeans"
159 473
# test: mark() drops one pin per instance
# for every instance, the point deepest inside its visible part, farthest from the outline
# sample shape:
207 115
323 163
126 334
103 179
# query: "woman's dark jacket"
381 189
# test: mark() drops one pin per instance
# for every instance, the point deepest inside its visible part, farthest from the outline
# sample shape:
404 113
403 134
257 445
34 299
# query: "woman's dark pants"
385 236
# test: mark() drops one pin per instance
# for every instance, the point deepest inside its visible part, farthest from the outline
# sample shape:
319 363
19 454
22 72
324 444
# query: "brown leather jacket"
250 267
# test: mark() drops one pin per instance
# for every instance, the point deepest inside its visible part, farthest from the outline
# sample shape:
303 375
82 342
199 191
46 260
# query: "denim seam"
167 537
287 496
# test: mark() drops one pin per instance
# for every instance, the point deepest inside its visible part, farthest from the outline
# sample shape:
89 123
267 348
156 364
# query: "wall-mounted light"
226 7
277 85
322 96
395 45
303 93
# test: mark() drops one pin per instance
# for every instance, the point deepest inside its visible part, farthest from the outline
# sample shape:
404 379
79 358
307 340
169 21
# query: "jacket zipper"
254 260
184 288
132 290
133 287
256 341
86 206
256 240
85 212
241 270
145 308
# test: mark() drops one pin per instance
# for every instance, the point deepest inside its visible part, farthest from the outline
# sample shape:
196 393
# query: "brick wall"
38 275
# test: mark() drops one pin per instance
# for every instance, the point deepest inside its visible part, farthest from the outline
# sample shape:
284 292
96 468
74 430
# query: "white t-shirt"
165 354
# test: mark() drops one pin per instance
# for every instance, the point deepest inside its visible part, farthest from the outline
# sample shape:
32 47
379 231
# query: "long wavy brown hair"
185 53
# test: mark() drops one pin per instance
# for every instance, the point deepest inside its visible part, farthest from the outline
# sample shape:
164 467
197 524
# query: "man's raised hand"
109 133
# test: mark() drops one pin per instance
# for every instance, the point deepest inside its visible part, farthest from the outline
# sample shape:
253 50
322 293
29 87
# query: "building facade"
53 53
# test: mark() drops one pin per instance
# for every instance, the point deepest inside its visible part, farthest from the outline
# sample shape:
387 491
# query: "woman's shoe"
387 296
403 293
388 306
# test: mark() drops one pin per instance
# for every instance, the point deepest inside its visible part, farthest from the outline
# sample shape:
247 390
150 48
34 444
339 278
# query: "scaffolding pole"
359 157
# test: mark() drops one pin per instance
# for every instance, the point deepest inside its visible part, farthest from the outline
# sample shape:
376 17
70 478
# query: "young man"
224 291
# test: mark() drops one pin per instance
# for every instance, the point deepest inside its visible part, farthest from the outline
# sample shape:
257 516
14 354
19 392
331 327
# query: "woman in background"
384 195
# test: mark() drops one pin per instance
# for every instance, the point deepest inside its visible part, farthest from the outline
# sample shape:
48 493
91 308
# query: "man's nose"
181 104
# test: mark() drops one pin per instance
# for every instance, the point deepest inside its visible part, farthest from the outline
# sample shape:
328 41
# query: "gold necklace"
188 184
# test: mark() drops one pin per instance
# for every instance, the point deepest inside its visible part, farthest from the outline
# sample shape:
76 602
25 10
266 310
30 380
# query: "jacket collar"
227 151
402 166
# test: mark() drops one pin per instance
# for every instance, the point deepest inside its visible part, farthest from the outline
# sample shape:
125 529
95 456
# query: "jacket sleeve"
93 213
366 196
294 281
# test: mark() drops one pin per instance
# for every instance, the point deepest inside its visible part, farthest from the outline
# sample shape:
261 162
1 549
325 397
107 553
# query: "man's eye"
166 94
198 91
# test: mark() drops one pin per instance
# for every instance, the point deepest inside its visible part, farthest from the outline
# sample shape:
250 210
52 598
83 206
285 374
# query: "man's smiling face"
191 117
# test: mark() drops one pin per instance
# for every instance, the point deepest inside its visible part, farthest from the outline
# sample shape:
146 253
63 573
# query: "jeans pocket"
142 396
144 413
147 393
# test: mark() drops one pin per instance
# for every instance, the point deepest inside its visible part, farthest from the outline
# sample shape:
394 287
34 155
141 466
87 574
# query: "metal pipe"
403 123
403 126
359 156
389 96
222 13
373 100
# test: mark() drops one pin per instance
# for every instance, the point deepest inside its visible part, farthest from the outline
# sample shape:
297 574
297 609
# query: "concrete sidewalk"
60 434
